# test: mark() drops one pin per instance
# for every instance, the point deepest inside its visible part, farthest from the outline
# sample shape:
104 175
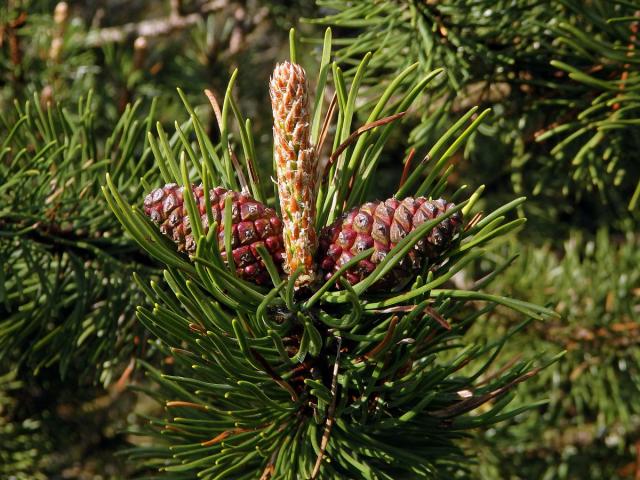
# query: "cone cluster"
293 241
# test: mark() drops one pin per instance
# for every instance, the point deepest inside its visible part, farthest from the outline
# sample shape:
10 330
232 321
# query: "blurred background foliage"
590 426
561 78
558 76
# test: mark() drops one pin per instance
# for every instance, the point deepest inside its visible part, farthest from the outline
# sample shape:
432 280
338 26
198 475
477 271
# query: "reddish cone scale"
382 225
253 224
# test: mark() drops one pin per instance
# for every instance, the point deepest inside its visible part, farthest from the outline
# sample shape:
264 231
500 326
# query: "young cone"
382 225
253 225
295 161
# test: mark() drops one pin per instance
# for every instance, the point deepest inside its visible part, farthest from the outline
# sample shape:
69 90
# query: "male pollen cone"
295 160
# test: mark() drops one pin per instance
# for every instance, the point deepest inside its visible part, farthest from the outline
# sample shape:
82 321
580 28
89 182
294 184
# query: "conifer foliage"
66 298
589 428
561 78
559 74
306 300
318 378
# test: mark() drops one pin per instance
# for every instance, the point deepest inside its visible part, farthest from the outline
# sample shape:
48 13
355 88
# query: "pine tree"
318 381
67 304
403 289
141 51
58 139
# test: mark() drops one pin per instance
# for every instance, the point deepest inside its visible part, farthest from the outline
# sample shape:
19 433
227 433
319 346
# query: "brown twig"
433 313
474 221
238 169
10 30
194 327
407 167
216 107
225 434
179 403
253 172
473 402
234 159
385 341
330 415
498 373
325 123
156 27
351 138
322 165
122 382
630 49
399 308
275 377
270 468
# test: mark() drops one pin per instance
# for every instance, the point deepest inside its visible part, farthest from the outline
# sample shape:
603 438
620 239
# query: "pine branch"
65 288
257 388
158 27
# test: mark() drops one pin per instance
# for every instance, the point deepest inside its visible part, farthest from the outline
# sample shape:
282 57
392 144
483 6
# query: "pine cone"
253 224
295 160
382 225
